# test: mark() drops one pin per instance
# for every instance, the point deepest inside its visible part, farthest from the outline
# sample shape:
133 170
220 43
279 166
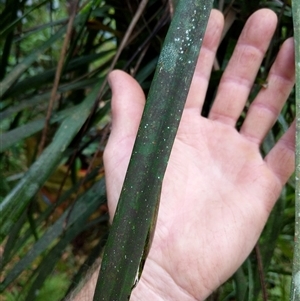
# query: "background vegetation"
54 117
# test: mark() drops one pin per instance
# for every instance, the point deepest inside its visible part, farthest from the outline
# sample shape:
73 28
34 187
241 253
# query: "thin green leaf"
24 104
89 262
38 80
10 27
241 284
84 207
295 287
49 261
15 74
18 245
13 205
12 239
146 71
10 138
250 280
35 30
40 98
136 213
268 241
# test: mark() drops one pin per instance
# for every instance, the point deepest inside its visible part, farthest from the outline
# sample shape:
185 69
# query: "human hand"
218 190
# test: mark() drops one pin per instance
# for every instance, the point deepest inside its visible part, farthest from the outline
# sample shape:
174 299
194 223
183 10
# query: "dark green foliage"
41 243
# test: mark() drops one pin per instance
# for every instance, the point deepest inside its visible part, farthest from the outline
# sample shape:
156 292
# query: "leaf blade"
133 221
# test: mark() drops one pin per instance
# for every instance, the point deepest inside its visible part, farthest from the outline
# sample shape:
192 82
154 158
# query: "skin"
218 190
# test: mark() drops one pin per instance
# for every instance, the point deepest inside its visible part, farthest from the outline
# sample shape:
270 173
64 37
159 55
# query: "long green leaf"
15 74
13 205
47 76
49 261
12 25
135 216
10 138
12 248
146 71
40 98
240 281
24 103
272 229
12 240
85 267
84 207
295 288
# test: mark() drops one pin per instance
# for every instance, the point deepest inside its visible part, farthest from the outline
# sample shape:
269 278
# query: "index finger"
205 61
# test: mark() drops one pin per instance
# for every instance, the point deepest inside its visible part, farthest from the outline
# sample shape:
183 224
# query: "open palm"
218 190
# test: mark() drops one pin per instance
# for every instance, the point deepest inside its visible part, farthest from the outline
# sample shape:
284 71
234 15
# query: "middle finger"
243 66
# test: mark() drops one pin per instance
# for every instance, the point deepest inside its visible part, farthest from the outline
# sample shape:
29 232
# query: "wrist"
157 285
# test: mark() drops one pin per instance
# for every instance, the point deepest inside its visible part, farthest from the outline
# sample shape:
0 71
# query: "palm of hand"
217 197
218 190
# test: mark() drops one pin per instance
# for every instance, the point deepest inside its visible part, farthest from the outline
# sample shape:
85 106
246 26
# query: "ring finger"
266 107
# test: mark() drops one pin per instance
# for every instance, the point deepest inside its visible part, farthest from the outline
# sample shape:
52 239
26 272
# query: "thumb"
127 106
